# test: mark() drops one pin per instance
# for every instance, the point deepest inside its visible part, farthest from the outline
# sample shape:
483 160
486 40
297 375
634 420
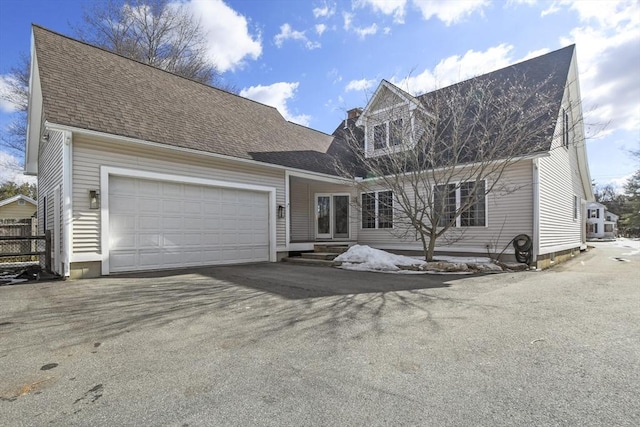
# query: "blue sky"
314 60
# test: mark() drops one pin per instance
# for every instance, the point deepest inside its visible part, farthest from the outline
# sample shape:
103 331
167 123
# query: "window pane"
395 132
444 201
380 136
368 210
324 220
385 209
341 216
475 215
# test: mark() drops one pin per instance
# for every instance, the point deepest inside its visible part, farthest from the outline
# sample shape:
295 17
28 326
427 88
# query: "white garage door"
160 224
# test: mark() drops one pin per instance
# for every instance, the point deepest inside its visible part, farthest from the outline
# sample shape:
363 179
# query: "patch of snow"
633 244
366 258
374 259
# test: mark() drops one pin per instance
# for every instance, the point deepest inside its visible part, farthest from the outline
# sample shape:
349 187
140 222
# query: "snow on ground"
633 244
366 258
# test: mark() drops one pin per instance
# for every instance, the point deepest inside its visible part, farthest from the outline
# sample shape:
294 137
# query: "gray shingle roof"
90 88
549 72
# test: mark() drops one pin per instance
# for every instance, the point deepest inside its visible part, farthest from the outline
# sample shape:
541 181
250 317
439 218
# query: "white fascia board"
126 139
16 198
411 100
468 165
34 114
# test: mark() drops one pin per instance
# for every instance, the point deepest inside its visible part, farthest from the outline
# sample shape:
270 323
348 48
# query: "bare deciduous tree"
156 32
439 157
16 93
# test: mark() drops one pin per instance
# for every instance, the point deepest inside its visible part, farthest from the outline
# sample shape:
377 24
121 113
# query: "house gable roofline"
86 87
16 198
386 85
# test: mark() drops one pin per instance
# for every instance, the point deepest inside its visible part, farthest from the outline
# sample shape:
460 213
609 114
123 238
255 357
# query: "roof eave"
34 115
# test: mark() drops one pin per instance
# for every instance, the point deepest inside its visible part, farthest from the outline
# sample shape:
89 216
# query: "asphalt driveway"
279 344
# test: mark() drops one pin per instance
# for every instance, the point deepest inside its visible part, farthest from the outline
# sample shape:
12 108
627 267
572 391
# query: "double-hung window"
377 209
388 134
449 198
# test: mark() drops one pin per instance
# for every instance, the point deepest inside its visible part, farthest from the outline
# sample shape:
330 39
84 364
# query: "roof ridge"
516 64
151 66
307 127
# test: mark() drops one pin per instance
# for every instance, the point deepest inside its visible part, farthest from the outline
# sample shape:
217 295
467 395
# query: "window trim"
370 137
376 216
458 223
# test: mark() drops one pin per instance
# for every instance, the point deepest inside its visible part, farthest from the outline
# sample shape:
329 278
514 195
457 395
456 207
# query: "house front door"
332 216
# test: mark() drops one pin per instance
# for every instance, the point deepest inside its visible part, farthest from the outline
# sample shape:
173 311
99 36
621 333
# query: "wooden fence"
20 243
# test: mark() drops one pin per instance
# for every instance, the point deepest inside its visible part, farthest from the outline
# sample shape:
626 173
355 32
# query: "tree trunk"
431 248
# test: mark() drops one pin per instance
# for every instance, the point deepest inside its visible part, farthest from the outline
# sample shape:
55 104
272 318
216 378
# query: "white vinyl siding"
508 214
302 199
16 210
560 186
89 153
300 202
49 178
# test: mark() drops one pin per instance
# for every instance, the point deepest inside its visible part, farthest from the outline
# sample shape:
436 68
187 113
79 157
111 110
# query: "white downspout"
536 211
67 213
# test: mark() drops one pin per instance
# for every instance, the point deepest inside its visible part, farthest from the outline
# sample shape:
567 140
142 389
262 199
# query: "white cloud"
277 95
229 40
325 11
288 33
360 31
363 32
359 85
11 170
608 58
321 28
457 68
334 75
386 7
348 19
6 106
449 12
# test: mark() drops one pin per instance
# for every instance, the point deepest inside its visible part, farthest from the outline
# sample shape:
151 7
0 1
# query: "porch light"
94 199
280 211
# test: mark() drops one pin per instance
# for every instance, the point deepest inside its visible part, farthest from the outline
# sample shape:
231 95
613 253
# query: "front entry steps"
323 254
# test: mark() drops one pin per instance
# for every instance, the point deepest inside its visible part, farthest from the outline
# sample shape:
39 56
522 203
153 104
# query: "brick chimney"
354 113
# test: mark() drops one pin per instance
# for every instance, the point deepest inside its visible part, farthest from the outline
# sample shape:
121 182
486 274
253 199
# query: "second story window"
388 134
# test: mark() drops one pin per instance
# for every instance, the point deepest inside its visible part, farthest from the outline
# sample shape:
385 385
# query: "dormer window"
388 134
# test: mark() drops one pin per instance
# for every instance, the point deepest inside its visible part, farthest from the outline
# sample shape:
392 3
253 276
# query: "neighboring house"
601 224
140 169
18 207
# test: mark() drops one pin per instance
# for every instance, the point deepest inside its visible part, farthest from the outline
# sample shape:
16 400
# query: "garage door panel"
155 224
148 205
192 208
211 208
123 260
170 189
149 188
172 206
124 204
170 223
147 222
